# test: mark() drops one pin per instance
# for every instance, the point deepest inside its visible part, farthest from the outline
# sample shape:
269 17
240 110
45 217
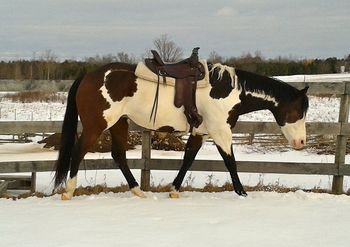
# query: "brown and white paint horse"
107 98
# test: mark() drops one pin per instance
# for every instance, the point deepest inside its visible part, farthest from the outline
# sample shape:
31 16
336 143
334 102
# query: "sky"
76 29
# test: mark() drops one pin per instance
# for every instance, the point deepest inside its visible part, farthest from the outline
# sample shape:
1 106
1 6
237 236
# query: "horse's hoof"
66 197
138 192
242 193
174 194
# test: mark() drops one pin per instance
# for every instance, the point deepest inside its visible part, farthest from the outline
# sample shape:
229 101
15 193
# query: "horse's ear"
304 90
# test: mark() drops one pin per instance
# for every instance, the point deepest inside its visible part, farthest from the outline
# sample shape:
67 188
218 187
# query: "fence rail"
314 128
338 169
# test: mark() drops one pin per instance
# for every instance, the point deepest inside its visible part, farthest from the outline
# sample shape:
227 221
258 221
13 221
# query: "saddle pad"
143 72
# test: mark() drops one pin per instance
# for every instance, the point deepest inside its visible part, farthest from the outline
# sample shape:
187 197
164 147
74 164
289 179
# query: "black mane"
278 89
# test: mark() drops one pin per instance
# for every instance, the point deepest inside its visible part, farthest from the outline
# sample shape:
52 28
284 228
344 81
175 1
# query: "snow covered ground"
196 219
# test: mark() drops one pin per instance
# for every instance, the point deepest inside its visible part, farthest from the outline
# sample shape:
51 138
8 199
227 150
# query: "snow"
197 219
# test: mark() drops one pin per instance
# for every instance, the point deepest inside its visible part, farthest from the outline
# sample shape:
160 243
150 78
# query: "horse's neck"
261 93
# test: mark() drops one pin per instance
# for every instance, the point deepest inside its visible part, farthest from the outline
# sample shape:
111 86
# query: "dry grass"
36 96
209 187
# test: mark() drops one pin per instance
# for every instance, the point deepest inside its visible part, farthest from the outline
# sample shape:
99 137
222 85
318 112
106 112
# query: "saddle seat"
189 67
186 74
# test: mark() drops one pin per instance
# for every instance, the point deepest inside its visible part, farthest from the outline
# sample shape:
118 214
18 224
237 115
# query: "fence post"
340 151
251 138
146 157
33 184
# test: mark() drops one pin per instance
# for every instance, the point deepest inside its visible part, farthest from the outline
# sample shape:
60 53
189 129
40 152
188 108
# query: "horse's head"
290 116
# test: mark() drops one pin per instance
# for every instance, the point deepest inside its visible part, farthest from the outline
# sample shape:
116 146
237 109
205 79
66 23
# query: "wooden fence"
338 169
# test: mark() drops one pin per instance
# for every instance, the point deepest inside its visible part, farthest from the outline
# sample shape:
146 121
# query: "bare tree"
214 57
167 49
125 58
49 58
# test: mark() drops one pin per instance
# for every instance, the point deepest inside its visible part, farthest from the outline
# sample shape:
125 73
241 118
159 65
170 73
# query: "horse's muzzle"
298 144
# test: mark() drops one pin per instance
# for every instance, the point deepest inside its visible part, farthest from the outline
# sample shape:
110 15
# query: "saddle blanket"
143 72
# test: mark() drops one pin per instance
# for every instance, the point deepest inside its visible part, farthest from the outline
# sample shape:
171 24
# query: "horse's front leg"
192 147
222 137
230 163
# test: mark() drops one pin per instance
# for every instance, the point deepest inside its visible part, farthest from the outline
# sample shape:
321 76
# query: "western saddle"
186 73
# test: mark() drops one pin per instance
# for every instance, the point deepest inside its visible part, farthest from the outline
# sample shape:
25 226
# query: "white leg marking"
138 192
174 194
70 188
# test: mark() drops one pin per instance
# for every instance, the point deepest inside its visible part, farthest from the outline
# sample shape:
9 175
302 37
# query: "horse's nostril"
302 142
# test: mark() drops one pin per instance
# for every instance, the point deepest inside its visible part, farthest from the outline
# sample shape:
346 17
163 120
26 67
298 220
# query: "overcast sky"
77 28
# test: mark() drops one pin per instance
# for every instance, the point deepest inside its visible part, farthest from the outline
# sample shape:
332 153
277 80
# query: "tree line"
52 69
288 66
48 67
70 69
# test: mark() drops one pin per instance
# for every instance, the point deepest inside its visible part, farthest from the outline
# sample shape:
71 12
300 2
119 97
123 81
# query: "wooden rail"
338 169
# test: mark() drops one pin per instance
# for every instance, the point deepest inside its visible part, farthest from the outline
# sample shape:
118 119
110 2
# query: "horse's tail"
68 135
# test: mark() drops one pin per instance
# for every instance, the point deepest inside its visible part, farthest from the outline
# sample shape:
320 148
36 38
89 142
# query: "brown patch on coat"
120 84
91 103
290 112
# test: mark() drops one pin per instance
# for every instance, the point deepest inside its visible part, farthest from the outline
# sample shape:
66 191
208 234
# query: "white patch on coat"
261 95
139 107
215 113
111 114
295 133
230 70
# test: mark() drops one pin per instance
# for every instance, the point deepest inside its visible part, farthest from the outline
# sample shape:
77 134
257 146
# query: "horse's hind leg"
119 132
86 140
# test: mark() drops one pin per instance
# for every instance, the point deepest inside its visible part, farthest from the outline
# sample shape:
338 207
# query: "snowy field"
196 219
